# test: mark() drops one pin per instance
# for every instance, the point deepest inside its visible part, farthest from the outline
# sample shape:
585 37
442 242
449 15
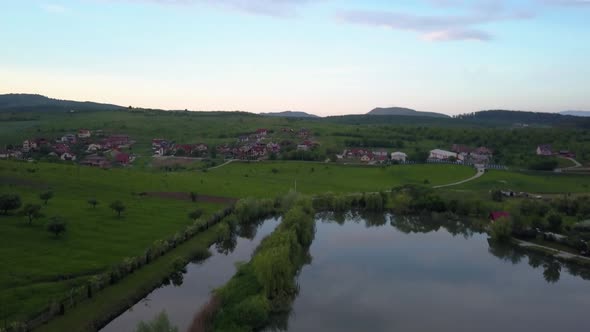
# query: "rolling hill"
291 114
38 103
402 111
576 113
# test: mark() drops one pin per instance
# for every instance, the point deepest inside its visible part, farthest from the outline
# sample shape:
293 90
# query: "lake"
181 302
381 273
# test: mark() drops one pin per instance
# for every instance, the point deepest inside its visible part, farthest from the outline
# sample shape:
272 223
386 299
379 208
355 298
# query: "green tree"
46 196
160 323
555 222
56 226
9 202
501 230
93 202
32 211
196 214
497 196
118 207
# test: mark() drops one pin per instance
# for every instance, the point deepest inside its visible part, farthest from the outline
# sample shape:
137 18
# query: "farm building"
399 156
438 154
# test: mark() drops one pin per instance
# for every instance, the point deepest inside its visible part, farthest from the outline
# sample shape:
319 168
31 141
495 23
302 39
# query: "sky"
325 57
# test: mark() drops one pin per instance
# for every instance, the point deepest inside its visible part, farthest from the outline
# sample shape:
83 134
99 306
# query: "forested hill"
33 103
519 118
402 111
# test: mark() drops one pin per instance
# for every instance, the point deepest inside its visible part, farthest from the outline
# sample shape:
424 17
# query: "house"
200 147
123 158
399 156
93 147
96 161
482 150
4 154
273 147
67 156
567 154
29 145
496 215
459 148
61 148
380 155
303 133
438 154
84 133
367 158
116 141
544 150
68 138
261 132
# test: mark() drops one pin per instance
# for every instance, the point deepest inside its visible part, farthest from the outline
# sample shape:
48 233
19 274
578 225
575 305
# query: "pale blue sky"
319 56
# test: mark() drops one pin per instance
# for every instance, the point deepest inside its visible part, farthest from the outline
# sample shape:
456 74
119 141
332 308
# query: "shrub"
56 226
501 230
9 202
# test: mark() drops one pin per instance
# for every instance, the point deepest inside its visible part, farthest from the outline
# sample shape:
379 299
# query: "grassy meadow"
533 182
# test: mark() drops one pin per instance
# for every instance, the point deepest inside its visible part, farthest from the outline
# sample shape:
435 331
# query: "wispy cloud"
441 27
276 8
54 8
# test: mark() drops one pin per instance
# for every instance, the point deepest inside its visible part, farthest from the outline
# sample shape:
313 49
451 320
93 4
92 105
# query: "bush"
9 202
501 230
254 311
56 226
554 220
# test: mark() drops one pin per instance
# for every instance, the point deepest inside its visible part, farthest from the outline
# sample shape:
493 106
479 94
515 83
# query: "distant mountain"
291 114
38 103
405 112
576 113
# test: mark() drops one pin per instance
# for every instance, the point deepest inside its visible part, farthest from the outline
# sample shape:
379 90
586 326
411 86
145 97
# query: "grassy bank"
113 300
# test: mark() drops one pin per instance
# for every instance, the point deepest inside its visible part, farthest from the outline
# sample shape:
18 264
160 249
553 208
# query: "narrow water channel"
181 302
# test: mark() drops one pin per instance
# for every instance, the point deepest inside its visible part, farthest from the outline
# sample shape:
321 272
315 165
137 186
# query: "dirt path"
225 163
480 172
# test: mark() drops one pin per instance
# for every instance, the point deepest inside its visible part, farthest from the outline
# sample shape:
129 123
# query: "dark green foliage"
118 207
554 220
160 323
497 196
266 285
93 202
56 225
543 164
46 196
9 202
501 230
196 214
32 211
193 197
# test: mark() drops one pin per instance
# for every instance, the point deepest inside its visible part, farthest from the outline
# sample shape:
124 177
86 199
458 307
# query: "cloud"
54 8
441 27
276 8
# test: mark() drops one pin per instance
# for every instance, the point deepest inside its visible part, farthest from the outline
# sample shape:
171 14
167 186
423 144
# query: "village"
95 148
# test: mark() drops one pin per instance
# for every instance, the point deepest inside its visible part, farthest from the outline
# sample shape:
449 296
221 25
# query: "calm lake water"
182 302
381 274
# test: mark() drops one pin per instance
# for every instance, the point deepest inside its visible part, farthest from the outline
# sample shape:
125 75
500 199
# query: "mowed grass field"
38 267
533 182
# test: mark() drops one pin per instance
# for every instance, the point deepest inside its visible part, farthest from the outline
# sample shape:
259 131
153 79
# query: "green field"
44 267
533 182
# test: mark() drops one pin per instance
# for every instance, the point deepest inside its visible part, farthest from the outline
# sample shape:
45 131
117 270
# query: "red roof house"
495 215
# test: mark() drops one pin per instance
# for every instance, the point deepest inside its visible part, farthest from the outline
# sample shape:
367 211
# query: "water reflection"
190 286
386 273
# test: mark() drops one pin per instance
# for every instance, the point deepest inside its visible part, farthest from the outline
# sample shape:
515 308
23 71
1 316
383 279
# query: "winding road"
480 172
